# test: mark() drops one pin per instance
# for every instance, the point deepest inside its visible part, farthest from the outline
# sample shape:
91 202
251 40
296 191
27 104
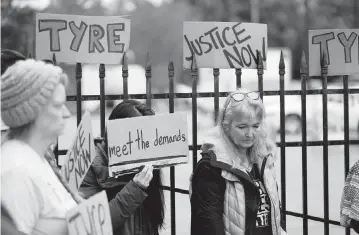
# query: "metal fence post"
194 74
125 76
172 168
324 73
282 133
102 74
78 95
303 77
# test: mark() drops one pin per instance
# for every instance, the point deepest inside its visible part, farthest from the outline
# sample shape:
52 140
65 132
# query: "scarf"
349 206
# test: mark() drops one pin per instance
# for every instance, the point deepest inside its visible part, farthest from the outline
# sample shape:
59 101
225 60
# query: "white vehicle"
249 80
314 110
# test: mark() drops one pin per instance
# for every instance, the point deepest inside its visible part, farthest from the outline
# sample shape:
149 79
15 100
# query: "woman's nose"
67 113
249 132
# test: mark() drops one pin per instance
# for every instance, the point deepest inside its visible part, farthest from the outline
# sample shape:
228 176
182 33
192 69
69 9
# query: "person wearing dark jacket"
233 188
136 208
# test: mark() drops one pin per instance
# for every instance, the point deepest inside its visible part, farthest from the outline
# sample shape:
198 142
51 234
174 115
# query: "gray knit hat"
26 87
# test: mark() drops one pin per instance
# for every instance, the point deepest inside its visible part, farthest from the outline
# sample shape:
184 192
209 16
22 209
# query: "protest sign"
224 45
80 156
160 140
85 39
92 216
340 47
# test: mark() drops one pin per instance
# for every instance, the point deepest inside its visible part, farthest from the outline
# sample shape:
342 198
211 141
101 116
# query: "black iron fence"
282 144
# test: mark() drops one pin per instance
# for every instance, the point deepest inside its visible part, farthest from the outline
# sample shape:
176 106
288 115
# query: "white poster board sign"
160 140
92 216
341 47
85 39
224 45
81 155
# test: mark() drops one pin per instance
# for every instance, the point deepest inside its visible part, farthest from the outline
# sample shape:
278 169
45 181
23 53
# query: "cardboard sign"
224 45
160 140
81 155
90 217
341 48
85 39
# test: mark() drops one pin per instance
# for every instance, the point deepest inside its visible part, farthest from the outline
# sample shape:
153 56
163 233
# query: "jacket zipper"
269 195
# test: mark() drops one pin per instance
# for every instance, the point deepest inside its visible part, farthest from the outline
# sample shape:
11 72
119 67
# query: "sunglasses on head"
253 95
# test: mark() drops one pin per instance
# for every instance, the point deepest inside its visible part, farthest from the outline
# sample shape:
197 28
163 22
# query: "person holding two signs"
33 106
135 201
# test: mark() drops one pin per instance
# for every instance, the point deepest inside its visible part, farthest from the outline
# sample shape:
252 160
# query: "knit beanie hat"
26 87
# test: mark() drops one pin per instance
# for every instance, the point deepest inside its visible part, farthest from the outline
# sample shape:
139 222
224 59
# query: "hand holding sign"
144 178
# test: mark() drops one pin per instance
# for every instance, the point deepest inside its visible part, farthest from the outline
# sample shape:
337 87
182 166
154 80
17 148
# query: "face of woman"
244 130
53 117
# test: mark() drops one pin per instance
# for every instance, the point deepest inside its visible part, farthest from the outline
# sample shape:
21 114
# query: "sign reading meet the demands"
92 216
160 140
85 39
341 48
81 155
224 45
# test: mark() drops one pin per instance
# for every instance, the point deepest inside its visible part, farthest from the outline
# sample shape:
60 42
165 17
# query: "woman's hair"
246 108
154 203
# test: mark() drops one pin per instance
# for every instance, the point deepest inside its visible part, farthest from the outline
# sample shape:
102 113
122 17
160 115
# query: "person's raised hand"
143 178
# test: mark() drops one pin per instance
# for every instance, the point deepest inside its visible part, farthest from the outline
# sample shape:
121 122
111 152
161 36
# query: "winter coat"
224 199
125 197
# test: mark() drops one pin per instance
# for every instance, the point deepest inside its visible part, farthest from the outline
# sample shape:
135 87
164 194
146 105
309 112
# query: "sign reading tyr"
86 39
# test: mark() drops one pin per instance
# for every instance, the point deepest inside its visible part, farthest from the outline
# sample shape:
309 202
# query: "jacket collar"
221 157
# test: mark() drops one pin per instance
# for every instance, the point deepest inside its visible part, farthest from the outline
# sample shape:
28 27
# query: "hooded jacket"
224 199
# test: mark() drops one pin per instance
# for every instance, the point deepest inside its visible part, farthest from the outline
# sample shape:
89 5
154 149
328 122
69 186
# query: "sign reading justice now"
160 140
85 39
81 154
224 45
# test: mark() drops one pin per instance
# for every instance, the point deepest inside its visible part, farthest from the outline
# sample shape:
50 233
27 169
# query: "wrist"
139 185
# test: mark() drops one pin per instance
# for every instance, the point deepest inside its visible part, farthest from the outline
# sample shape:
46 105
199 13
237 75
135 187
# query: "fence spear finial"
303 63
124 62
171 68
54 58
148 63
281 61
260 61
324 64
194 63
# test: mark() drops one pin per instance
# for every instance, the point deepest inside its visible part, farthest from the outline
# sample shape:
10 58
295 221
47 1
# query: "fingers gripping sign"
144 178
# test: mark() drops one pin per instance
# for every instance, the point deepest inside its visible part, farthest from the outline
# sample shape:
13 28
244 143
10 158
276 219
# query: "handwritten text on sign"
87 39
90 217
80 156
224 45
341 48
160 140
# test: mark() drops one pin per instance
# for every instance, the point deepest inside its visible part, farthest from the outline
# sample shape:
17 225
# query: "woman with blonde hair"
233 188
